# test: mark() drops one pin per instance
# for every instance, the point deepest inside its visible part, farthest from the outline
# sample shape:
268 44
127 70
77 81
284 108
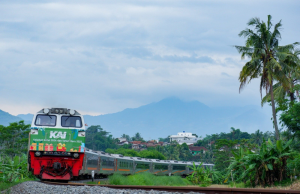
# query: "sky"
101 57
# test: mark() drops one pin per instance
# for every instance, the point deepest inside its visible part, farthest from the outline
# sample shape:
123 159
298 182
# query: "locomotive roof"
64 111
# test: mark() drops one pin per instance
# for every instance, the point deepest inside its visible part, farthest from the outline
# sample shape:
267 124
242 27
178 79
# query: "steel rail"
202 190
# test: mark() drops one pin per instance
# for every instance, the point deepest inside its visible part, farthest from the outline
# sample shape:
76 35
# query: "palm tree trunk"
274 112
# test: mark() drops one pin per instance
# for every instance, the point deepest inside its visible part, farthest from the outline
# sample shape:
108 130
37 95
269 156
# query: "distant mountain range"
173 115
6 118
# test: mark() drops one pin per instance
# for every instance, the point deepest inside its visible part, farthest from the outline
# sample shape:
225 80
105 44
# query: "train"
56 151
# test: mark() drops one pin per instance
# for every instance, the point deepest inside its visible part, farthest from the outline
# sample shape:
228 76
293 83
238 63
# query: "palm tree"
258 137
292 72
266 58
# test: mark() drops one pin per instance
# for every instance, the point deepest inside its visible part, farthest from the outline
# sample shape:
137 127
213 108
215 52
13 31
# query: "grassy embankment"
145 179
6 185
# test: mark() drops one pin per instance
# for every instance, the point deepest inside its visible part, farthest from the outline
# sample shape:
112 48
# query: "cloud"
102 57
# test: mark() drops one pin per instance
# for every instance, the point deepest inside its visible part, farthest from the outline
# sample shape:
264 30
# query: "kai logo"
58 134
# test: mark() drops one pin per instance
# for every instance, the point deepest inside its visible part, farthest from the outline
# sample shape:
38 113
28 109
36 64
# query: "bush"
14 169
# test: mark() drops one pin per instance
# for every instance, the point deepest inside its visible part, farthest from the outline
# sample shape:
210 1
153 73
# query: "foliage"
199 176
291 118
267 59
174 151
99 139
216 176
14 170
293 165
14 138
137 137
167 139
147 179
223 151
128 138
263 168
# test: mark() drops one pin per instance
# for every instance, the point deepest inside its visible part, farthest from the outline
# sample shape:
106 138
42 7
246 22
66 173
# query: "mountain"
6 118
172 115
26 117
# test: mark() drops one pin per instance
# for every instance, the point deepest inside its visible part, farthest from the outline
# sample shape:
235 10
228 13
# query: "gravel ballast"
33 187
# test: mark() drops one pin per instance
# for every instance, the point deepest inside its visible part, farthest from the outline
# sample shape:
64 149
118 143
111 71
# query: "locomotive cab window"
71 121
45 120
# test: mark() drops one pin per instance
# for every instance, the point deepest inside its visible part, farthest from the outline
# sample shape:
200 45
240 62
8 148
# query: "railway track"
202 190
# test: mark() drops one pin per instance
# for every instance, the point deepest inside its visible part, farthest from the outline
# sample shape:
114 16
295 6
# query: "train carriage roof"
147 160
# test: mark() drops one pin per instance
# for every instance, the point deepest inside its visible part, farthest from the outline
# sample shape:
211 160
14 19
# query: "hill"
170 116
173 115
6 118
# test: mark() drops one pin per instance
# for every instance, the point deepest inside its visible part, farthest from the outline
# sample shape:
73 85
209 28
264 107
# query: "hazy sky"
103 56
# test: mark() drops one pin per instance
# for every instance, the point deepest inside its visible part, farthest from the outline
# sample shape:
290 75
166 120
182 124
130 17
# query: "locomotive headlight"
46 110
76 155
72 112
37 154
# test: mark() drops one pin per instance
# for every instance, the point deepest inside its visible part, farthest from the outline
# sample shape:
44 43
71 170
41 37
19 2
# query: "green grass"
6 185
147 179
237 185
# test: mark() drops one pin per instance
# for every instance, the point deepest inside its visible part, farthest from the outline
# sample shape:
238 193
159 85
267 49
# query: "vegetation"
199 176
241 159
14 139
268 61
13 171
263 168
147 179
99 139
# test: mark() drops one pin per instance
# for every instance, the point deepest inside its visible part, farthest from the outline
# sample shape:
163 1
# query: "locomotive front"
56 144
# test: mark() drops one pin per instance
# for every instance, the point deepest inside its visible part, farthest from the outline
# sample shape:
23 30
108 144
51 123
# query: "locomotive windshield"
45 120
71 121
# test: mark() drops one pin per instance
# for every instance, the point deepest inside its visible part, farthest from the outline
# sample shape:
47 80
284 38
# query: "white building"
184 137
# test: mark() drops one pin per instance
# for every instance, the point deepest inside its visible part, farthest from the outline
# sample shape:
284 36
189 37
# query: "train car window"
142 166
71 121
124 164
178 167
161 167
92 161
45 120
107 162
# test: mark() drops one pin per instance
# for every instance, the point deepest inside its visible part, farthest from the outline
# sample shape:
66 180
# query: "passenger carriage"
125 165
141 165
178 167
160 167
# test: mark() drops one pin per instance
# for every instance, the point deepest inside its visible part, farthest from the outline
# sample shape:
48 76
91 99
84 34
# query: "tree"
267 166
14 138
266 58
291 119
126 136
284 95
99 139
137 137
224 150
257 137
